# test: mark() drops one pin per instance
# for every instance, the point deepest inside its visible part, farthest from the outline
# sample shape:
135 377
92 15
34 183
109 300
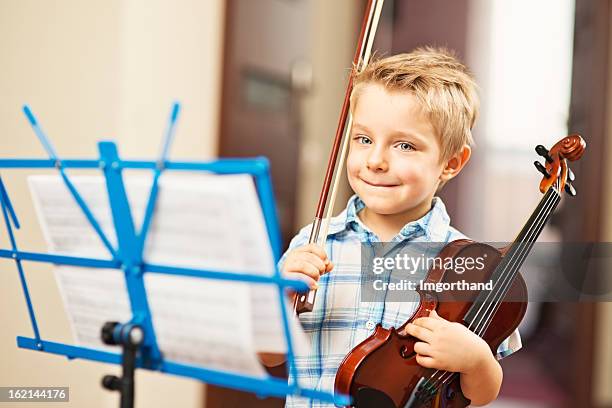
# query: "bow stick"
318 234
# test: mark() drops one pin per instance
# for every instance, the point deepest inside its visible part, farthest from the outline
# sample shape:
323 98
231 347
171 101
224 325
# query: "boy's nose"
377 162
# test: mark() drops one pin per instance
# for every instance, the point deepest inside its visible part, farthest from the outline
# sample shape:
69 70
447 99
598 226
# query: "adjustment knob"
111 382
108 333
542 151
569 189
541 168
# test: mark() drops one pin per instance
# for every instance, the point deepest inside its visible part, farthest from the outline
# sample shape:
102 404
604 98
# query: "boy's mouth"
373 184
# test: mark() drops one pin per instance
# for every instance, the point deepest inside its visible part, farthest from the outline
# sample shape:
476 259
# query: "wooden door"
265 73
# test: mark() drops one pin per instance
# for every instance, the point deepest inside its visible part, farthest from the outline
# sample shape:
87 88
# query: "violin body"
382 371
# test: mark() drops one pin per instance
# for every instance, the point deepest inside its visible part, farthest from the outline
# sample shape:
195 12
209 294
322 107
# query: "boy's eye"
405 146
362 139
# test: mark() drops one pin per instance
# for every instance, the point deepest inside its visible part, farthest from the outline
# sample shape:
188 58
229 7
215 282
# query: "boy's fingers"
302 266
425 361
422 348
419 332
329 266
314 260
430 323
435 314
315 249
312 284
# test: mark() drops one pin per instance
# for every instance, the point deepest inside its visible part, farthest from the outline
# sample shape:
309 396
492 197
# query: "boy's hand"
307 263
447 345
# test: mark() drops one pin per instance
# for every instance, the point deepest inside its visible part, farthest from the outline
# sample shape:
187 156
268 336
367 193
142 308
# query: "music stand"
137 336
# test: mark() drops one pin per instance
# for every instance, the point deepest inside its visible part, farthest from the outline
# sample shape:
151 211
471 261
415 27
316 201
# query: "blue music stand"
142 351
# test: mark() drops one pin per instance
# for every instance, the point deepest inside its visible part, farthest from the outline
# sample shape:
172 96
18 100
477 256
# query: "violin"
382 371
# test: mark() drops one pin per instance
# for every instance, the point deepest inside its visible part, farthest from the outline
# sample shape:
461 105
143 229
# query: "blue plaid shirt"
340 320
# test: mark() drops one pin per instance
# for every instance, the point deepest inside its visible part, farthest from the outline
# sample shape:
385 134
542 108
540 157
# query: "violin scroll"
555 169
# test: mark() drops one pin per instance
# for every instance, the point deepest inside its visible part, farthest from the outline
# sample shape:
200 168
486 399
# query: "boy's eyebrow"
360 126
395 134
400 133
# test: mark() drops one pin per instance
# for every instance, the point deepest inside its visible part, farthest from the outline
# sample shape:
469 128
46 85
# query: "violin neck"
538 219
506 271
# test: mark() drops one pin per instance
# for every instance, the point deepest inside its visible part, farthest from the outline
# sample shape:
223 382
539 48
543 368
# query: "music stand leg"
129 337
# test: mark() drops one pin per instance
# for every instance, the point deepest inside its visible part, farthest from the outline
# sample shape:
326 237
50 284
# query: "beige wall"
91 70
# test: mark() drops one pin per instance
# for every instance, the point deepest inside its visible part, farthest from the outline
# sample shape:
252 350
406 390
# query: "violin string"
524 251
550 202
514 259
445 376
500 285
504 284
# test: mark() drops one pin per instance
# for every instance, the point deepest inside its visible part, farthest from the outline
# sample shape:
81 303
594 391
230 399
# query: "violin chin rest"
367 397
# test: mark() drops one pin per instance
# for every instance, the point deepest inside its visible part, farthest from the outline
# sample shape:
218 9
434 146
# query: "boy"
411 133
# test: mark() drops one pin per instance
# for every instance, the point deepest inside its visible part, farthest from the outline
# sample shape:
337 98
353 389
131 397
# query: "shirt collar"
434 225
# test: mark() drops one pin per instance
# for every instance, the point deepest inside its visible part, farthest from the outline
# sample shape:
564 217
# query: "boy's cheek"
352 168
414 173
352 183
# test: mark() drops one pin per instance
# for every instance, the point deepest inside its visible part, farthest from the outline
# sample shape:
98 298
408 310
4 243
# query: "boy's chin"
380 206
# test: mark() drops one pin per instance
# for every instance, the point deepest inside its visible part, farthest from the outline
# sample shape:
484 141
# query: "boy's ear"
454 165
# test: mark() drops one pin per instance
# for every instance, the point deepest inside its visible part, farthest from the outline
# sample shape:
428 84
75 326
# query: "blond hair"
444 87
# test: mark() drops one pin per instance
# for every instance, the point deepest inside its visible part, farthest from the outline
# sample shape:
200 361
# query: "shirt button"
370 325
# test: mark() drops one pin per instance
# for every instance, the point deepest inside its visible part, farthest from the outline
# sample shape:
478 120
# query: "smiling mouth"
379 184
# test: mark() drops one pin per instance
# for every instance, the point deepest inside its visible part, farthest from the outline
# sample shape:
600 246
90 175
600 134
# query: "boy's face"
394 158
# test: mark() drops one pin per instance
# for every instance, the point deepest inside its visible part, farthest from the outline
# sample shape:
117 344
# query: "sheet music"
201 221
93 297
267 316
